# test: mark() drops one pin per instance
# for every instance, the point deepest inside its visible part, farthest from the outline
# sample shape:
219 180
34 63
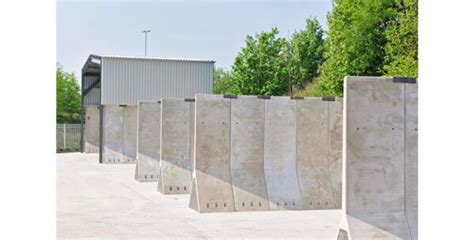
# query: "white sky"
205 30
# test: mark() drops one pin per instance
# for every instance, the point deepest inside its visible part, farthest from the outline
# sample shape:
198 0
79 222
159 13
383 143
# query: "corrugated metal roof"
156 58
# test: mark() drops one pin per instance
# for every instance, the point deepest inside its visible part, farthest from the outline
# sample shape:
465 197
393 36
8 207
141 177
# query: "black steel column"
82 111
101 132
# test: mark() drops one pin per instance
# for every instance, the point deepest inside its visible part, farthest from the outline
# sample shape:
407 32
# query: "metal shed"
125 80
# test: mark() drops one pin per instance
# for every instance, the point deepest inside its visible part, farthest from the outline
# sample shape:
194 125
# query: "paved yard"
104 202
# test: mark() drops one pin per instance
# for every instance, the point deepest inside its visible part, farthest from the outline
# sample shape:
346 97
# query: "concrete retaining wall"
120 134
177 137
266 153
380 159
212 189
148 141
91 129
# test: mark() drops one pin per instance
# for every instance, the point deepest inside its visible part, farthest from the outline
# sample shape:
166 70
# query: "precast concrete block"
91 129
113 134
379 171
280 154
129 134
246 153
148 141
312 154
411 157
177 136
335 148
212 187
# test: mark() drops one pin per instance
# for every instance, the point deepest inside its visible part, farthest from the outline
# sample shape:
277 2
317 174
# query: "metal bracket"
404 80
330 99
189 100
296 98
122 105
230 96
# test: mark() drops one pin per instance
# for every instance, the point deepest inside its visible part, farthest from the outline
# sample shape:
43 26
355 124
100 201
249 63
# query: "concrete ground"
97 201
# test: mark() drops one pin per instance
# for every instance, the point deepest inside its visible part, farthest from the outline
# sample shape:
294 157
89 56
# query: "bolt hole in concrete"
393 129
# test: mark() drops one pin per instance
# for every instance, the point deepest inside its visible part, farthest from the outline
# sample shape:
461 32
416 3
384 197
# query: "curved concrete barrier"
246 158
212 189
113 134
277 151
313 154
148 141
129 134
177 135
380 158
120 134
280 154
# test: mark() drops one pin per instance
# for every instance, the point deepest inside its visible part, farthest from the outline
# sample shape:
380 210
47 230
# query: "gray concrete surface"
97 201
91 129
212 159
120 134
113 135
280 154
315 160
130 134
148 141
177 134
380 159
246 154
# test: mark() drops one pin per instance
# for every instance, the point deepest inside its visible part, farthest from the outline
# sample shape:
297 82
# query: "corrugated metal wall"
128 80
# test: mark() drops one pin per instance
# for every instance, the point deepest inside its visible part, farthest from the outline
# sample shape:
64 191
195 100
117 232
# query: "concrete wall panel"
148 144
411 157
246 159
176 148
280 154
129 134
335 148
91 129
212 154
113 134
312 154
375 183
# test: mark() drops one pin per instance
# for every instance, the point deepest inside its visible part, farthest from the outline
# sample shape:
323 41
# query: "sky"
198 29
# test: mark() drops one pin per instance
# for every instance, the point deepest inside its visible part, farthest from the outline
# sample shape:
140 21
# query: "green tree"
402 41
356 42
260 68
68 96
306 54
223 82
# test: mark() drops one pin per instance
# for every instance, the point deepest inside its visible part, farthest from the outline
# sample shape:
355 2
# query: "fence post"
64 136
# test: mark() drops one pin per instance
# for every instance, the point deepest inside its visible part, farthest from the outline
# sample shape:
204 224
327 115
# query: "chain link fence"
68 137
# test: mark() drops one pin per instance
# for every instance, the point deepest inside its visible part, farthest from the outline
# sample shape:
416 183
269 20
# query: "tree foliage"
402 41
356 42
260 68
68 96
306 54
223 82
